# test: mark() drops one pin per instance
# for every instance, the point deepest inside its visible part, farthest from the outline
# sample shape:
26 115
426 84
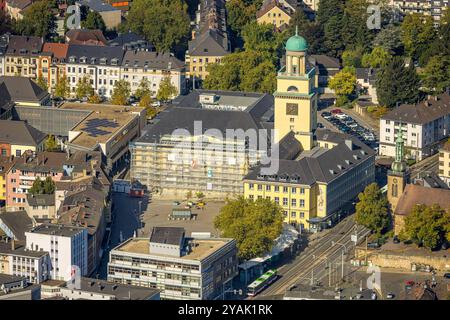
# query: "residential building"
86 37
67 246
24 91
15 260
54 62
138 65
433 8
17 137
4 39
327 67
181 268
25 171
424 125
17 288
444 163
162 158
366 81
107 128
15 224
22 56
275 12
131 41
210 41
6 163
111 16
100 64
40 206
15 8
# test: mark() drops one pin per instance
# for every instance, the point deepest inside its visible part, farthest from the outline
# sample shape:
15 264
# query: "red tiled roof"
59 50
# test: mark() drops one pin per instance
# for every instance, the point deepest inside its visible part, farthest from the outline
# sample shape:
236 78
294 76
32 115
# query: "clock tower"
295 98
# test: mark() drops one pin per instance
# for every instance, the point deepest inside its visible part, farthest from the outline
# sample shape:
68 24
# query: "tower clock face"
394 180
292 109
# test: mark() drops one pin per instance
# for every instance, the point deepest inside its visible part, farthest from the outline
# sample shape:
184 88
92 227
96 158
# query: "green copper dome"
296 43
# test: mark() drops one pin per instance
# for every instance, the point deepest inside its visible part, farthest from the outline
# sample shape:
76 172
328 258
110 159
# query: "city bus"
261 283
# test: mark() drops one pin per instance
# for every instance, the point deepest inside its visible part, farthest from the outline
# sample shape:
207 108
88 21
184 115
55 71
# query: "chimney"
13 244
427 104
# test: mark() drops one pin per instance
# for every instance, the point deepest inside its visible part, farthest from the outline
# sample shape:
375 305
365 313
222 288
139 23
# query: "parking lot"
158 211
346 124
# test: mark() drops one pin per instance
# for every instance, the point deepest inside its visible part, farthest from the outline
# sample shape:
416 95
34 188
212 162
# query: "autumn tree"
343 84
253 224
166 90
95 99
51 144
372 209
377 58
62 88
42 83
143 89
121 92
84 88
38 20
427 226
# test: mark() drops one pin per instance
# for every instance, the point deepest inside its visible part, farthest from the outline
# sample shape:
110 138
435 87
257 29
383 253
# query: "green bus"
261 283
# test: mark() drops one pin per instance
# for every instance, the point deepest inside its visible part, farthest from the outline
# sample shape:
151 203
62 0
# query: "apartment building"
22 56
30 94
6 163
52 66
67 246
181 268
423 125
444 163
17 137
274 12
100 64
40 206
433 8
30 166
210 41
4 39
138 65
16 260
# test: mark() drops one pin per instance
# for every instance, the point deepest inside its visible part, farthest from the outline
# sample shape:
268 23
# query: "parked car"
373 245
396 240
326 115
447 275
390 295
409 283
335 111
156 104
176 203
341 116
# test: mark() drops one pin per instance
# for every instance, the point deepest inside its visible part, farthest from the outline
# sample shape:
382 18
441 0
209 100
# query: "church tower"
398 175
295 98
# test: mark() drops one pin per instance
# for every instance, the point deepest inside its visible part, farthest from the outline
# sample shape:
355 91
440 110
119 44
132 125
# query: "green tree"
254 224
41 82
121 93
188 195
427 226
165 23
84 88
240 13
397 83
377 58
436 74
260 37
355 32
343 84
51 144
93 21
243 71
372 209
166 90
48 186
200 195
352 58
418 33
143 89
6 23
42 187
38 20
389 38
62 88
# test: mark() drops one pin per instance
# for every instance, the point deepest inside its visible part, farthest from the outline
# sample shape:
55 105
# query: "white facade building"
100 64
67 246
424 125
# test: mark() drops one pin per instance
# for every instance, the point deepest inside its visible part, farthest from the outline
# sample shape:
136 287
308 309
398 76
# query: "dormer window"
103 61
72 59
93 60
83 60
114 62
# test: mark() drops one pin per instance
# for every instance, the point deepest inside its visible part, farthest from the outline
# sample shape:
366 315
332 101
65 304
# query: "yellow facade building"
444 163
274 13
318 182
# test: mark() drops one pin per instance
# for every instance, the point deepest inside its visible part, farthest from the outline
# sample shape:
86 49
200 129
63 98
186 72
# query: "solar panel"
92 126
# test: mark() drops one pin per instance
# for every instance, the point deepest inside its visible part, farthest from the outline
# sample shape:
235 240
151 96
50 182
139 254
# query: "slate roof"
415 194
209 43
96 52
18 222
151 60
24 45
167 235
40 200
23 89
423 112
20 133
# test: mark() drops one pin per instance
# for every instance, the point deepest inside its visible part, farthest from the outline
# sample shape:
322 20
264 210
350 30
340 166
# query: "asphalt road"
125 223
313 264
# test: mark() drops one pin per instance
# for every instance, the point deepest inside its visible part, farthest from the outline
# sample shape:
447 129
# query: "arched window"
292 89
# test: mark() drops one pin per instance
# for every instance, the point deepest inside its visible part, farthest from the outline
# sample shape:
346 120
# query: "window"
260 187
285 201
293 202
285 189
302 214
277 189
18 153
251 186
268 187
294 190
293 214
277 200
302 203
302 190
